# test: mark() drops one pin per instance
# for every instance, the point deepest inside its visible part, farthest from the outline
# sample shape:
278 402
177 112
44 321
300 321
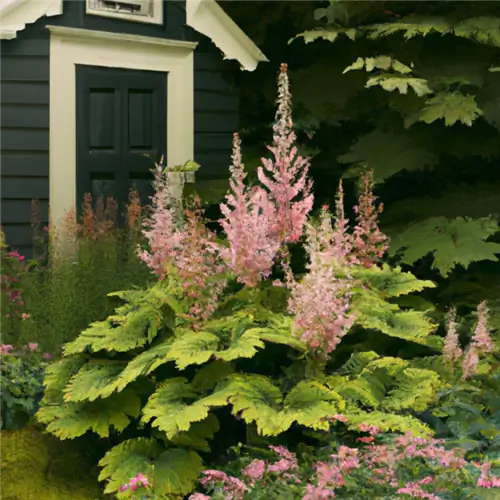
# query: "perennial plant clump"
193 353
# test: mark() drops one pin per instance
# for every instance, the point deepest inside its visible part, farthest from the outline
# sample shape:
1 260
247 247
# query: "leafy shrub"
157 375
21 383
467 411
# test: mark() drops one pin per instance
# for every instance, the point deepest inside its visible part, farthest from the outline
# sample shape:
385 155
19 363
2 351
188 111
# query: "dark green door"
120 132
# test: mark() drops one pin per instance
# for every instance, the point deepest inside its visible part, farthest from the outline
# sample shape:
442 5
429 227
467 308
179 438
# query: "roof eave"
209 19
16 14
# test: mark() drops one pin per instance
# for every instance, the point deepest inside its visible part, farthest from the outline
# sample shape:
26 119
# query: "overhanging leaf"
388 153
453 107
459 241
391 82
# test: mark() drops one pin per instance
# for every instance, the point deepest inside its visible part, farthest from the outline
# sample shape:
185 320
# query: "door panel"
121 130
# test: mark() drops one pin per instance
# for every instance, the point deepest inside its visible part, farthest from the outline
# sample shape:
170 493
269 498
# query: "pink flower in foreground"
321 302
285 176
470 362
481 340
161 229
248 221
198 496
47 355
6 348
25 315
451 350
255 470
33 346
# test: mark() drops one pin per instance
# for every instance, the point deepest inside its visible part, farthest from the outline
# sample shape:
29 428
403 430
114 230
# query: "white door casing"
71 46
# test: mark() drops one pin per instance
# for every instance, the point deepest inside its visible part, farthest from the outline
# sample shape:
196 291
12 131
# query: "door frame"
72 46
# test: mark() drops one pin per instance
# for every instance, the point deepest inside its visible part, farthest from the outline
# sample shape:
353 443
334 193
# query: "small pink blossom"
47 355
481 340
33 346
470 363
451 350
6 348
255 470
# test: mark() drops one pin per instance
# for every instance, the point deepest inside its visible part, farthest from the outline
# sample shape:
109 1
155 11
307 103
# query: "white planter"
176 181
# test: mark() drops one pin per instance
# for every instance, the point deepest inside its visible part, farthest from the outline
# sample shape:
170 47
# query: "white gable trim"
204 16
71 46
208 18
16 14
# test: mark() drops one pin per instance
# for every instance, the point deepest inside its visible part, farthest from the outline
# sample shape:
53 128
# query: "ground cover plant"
229 337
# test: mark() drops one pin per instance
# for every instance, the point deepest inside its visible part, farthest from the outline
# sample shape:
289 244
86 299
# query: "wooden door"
121 131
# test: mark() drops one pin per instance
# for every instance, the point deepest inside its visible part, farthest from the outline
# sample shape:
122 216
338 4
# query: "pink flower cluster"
383 467
10 286
320 301
139 481
8 349
481 343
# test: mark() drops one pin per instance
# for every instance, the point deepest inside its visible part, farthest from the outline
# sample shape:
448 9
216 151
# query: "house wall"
24 117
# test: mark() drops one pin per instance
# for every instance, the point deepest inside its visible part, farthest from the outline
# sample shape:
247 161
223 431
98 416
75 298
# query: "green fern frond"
71 420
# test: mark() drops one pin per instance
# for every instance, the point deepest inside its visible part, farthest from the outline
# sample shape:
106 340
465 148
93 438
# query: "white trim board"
69 47
204 16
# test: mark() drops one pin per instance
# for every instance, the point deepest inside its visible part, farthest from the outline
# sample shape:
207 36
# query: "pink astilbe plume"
342 240
452 350
248 220
369 241
187 247
164 235
200 267
320 302
469 363
481 340
285 176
